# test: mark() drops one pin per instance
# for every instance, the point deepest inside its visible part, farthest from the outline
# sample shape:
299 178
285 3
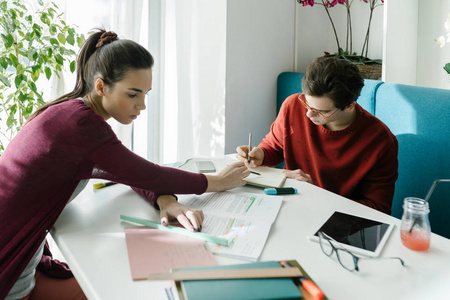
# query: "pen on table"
307 284
249 147
103 184
256 173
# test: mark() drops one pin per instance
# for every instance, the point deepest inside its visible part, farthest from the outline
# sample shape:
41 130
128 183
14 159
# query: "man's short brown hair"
337 79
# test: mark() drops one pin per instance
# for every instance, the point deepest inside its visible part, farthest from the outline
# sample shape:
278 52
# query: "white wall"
260 45
410 53
400 41
430 57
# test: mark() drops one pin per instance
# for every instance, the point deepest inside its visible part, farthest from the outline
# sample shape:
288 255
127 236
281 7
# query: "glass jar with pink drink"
415 228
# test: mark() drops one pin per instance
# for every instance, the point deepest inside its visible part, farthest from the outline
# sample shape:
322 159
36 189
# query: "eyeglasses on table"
346 258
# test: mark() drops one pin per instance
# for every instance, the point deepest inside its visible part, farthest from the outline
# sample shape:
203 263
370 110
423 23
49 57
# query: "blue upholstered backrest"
288 83
420 118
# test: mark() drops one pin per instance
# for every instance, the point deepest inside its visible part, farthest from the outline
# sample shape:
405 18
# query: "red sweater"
43 165
358 162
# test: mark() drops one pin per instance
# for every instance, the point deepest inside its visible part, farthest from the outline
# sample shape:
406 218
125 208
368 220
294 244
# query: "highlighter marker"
307 284
280 191
103 184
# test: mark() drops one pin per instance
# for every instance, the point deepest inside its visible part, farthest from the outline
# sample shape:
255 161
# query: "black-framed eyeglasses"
346 258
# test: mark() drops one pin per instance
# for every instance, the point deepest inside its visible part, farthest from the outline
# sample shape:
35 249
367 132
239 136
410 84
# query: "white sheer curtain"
191 80
186 108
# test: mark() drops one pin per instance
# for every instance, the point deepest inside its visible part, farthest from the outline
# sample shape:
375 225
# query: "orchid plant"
441 40
348 52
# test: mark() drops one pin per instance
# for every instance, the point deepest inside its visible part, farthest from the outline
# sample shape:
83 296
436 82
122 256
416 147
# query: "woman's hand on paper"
256 156
298 175
230 177
190 218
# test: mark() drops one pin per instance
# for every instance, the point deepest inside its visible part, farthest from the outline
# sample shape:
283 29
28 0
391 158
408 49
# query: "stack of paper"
244 219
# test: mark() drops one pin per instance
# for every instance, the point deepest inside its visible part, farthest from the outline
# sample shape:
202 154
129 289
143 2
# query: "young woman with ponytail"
68 141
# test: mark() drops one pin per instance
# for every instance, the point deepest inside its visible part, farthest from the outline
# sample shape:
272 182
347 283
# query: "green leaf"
13 60
13 109
3 62
61 38
32 86
20 69
59 59
10 40
71 39
5 81
54 42
23 97
40 2
35 75
23 51
48 72
28 110
37 27
4 38
11 121
45 19
80 40
51 12
31 54
53 29
447 67
72 66
13 14
18 80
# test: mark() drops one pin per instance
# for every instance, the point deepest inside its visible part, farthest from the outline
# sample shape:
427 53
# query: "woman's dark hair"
104 56
337 79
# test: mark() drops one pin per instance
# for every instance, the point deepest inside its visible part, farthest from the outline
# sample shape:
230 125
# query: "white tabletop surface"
91 237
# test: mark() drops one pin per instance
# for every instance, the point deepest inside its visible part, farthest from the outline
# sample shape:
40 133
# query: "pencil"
249 147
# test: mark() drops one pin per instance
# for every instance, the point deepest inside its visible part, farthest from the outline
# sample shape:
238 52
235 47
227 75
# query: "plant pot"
370 71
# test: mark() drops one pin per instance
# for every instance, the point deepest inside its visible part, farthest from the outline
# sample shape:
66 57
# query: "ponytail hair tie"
106 38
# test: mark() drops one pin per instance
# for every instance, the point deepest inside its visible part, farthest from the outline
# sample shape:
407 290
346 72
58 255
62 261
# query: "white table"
90 235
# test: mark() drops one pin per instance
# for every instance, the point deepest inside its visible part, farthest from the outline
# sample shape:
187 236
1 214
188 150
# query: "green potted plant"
370 68
34 43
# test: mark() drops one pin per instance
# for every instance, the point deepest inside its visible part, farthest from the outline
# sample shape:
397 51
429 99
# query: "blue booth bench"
420 119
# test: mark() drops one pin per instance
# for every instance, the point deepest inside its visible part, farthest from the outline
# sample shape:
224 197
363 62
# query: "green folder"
233 289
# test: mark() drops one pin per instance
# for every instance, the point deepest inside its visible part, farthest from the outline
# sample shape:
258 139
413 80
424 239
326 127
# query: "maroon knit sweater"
43 165
358 162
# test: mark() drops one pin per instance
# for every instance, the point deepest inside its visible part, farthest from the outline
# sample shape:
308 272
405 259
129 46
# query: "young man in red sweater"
327 139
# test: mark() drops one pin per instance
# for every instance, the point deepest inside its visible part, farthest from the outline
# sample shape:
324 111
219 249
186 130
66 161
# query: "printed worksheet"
243 219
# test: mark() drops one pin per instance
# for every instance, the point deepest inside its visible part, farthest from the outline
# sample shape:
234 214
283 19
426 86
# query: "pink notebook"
152 250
